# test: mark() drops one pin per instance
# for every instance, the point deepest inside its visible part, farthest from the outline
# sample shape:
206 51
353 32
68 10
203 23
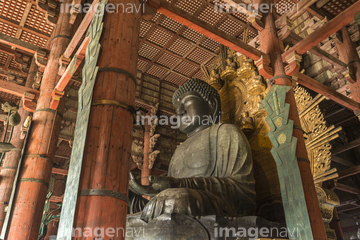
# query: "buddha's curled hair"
206 91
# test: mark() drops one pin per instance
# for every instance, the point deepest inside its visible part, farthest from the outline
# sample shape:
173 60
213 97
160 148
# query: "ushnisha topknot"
206 91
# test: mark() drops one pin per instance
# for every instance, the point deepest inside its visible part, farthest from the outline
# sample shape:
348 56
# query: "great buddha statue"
211 173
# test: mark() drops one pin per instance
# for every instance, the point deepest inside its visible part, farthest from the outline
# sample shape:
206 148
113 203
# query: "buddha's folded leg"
185 201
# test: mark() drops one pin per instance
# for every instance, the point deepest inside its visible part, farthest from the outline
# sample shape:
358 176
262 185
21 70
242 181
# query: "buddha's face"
193 112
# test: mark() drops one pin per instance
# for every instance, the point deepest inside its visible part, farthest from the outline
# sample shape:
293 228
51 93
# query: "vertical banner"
89 74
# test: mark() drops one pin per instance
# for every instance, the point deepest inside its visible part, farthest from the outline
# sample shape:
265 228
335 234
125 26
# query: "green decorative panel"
89 74
283 151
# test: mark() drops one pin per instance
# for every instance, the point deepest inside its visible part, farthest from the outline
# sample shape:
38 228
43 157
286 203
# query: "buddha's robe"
215 170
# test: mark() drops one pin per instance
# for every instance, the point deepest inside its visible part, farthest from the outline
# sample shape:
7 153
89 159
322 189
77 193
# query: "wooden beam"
348 189
17 90
81 30
59 171
319 52
6 72
209 31
28 29
331 27
57 198
350 145
70 70
300 8
13 42
23 20
341 161
349 172
314 85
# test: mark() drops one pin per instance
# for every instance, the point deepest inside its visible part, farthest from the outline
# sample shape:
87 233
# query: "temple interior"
93 96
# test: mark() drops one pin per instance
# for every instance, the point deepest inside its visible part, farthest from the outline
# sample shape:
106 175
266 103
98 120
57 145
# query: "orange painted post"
348 54
38 159
104 180
145 171
271 45
11 159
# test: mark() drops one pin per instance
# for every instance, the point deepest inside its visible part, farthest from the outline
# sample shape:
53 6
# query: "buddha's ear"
215 107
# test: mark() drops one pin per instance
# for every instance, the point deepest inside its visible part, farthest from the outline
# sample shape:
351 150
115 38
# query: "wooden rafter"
348 189
325 31
349 172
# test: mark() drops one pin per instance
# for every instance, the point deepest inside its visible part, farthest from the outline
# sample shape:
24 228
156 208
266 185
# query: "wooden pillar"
145 171
348 54
11 159
271 45
335 224
108 146
38 159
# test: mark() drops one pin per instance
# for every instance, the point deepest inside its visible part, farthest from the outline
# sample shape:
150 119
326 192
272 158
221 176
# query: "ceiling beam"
348 189
300 8
17 90
342 161
59 171
6 72
319 52
28 29
13 42
350 145
23 20
208 30
349 172
329 28
314 85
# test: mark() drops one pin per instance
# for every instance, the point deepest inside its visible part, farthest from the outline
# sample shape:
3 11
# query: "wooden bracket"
23 60
255 19
51 10
293 61
56 97
28 102
41 58
74 11
263 65
64 63
285 28
37 80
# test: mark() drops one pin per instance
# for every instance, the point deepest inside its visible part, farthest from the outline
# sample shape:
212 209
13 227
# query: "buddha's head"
197 105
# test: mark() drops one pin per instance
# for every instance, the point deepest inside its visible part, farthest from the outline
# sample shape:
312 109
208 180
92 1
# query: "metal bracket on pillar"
41 58
255 19
263 65
28 102
293 61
